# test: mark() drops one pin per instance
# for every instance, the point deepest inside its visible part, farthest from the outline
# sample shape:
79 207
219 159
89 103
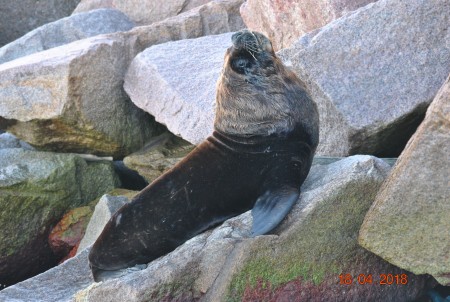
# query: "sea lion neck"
273 144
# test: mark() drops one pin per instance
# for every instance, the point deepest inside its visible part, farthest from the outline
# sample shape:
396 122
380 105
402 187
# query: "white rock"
179 85
19 17
105 208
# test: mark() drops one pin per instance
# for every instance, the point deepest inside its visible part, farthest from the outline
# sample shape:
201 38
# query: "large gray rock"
306 254
36 189
284 22
143 12
373 73
7 141
71 98
409 223
58 284
179 88
66 30
19 17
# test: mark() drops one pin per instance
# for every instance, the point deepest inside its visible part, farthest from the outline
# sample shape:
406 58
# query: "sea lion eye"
241 63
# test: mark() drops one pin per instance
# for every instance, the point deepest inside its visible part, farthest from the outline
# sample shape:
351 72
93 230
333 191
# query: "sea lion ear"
271 208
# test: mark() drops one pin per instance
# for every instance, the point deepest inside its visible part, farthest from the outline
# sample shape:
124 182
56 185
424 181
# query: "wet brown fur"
267 98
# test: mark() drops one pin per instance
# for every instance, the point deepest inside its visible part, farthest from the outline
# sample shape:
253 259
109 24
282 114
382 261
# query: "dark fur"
258 157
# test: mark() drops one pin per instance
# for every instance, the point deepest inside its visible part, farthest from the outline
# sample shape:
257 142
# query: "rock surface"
409 223
69 231
370 100
58 284
143 12
285 21
36 189
105 208
374 72
19 17
180 83
7 141
310 249
215 17
71 99
66 30
158 156
315 244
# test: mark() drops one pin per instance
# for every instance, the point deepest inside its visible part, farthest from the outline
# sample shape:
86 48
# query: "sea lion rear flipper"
271 207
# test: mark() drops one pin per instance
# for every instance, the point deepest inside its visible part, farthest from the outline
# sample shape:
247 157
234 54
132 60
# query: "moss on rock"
316 250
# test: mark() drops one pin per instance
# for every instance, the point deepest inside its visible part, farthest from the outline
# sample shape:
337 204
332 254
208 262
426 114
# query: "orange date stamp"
380 279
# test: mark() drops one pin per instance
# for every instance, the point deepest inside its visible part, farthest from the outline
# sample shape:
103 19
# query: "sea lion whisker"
250 48
252 55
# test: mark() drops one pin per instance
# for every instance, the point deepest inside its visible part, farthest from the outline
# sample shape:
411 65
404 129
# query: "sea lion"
266 131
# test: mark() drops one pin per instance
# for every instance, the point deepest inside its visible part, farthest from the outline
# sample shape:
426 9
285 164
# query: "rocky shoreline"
95 105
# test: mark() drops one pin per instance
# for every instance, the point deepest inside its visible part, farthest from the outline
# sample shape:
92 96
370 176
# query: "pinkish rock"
69 231
143 12
285 21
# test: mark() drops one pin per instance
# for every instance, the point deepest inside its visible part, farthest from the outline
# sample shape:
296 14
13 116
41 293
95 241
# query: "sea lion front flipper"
271 207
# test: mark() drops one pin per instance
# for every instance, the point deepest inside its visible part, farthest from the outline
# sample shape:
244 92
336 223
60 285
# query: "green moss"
42 191
324 245
28 207
173 290
182 286
274 272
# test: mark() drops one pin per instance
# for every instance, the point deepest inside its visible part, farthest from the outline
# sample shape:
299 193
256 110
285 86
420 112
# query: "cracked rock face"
70 99
158 156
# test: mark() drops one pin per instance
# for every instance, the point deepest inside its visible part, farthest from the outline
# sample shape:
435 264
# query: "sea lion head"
256 93
251 54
